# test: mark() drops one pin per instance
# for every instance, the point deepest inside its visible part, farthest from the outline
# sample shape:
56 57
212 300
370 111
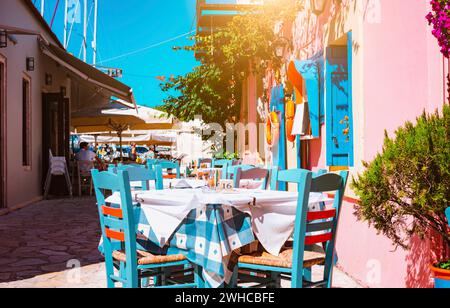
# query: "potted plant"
441 270
405 190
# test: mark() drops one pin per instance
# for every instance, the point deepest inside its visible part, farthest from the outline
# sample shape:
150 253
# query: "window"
2 131
26 121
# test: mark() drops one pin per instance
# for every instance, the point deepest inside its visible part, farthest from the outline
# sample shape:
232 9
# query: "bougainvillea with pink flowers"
439 17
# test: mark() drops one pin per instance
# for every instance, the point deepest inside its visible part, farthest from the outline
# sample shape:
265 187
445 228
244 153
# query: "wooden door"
2 134
55 135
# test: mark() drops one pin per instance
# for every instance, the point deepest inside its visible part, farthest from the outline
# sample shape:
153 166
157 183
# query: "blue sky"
133 25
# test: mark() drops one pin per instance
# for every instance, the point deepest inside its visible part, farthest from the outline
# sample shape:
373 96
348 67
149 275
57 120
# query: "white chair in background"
57 167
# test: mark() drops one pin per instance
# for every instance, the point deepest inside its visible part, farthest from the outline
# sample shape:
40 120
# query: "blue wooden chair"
229 171
220 163
167 165
254 173
311 229
119 237
207 161
141 174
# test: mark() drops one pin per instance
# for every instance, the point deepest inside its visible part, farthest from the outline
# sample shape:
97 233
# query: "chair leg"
79 184
110 284
69 184
307 274
276 280
235 278
297 279
198 277
48 184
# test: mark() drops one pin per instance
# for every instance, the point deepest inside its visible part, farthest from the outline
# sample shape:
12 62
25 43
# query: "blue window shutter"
339 113
312 72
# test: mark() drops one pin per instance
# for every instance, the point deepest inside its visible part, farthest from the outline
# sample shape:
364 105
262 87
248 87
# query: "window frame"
27 122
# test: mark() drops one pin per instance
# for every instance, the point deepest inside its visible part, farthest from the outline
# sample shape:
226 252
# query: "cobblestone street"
40 240
41 243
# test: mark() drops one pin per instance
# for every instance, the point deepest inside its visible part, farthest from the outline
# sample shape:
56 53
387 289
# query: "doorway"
55 135
2 132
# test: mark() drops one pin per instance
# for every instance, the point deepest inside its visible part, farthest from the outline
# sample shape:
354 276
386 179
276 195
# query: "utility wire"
148 47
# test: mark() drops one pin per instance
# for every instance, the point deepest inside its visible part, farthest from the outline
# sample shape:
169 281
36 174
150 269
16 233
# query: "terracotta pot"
441 277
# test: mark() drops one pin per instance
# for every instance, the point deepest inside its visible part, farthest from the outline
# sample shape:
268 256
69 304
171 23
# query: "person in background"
85 154
133 153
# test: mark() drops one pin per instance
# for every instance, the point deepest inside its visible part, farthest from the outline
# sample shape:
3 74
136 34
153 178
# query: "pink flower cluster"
440 19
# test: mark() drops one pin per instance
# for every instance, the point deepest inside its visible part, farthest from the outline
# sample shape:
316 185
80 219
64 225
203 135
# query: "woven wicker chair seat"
146 258
284 260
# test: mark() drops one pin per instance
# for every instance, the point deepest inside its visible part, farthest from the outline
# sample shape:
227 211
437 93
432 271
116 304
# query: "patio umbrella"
120 120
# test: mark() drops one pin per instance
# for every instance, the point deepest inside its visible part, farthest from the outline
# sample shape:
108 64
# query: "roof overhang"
90 74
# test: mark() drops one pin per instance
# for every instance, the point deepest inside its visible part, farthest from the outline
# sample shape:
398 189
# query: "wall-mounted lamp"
48 79
318 6
3 39
30 64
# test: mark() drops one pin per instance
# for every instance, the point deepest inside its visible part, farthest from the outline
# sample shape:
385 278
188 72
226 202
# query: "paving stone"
54 253
5 276
53 232
58 267
27 262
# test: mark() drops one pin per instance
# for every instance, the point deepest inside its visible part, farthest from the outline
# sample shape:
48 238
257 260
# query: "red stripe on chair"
170 176
321 215
316 239
115 235
106 210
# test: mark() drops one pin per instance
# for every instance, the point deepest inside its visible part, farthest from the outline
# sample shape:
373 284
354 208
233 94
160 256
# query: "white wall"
24 185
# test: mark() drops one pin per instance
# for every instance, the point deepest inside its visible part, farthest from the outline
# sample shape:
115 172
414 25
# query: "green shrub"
406 189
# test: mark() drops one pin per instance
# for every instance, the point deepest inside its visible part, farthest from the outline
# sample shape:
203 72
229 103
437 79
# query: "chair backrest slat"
110 211
207 161
220 163
166 165
318 239
321 215
229 171
144 175
319 226
326 182
252 174
115 235
113 223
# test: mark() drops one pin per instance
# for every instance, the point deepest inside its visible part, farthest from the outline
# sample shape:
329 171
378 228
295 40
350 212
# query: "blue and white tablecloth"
208 227
207 237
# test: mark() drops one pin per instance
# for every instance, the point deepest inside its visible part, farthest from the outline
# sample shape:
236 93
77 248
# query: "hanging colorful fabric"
290 116
272 129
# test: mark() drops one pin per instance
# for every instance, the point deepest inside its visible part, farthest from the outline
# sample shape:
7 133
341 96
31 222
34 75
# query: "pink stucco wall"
398 72
402 77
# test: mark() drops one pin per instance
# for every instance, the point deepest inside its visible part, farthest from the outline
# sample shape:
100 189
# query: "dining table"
208 226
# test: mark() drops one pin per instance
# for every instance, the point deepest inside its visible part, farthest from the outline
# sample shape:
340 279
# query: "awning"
148 139
142 119
311 73
90 74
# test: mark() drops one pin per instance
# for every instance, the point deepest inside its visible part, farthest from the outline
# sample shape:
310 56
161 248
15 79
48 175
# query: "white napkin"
273 216
164 210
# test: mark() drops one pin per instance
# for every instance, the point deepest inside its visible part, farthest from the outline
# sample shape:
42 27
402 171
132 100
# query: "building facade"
359 68
41 87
